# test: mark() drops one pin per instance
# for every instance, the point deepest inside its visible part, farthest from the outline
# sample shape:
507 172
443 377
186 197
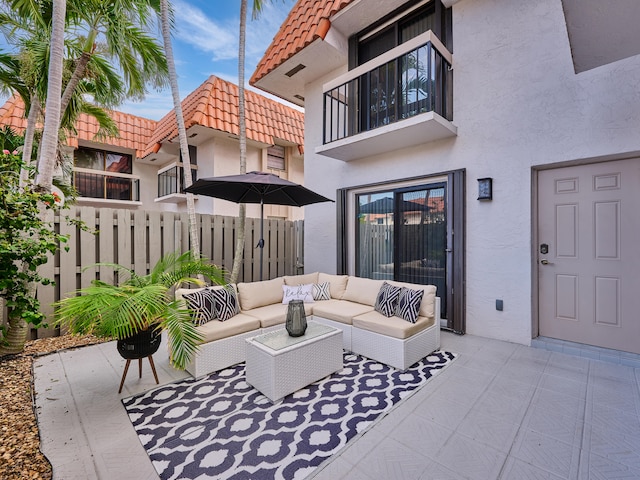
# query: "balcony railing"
411 79
106 185
171 181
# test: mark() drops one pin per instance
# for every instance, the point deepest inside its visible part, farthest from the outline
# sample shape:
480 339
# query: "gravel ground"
20 456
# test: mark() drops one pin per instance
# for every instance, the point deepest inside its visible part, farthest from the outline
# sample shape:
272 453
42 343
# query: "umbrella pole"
261 243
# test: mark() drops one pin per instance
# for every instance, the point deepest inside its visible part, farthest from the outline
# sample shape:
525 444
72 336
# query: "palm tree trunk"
242 214
182 132
49 143
16 337
27 148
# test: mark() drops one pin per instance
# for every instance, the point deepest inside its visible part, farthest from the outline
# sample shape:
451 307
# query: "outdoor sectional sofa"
349 305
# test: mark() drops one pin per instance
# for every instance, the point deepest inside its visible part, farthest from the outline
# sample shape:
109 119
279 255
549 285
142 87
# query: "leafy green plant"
141 302
26 240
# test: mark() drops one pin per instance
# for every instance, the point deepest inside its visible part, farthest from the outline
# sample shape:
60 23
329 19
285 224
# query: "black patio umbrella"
256 187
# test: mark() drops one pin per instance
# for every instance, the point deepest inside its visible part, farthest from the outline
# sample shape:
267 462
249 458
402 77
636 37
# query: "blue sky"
205 43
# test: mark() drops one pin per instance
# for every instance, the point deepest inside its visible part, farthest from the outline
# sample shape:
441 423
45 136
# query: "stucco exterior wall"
517 104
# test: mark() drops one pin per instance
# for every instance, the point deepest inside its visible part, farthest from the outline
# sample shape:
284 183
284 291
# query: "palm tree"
122 24
49 144
242 214
166 23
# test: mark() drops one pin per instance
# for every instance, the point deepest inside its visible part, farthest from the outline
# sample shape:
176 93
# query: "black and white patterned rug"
220 427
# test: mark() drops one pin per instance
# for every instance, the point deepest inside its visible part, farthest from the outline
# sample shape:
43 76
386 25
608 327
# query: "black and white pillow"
408 305
387 299
321 291
226 302
201 304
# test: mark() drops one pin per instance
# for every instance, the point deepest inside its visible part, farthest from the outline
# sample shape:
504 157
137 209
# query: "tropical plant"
141 302
26 241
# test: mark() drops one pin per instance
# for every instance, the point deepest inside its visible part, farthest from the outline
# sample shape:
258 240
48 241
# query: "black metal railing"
104 186
172 181
415 82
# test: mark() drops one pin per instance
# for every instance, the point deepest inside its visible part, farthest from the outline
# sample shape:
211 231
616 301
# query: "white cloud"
205 34
220 38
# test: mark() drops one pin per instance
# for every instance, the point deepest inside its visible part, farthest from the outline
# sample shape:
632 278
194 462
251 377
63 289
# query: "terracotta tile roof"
135 131
214 104
307 21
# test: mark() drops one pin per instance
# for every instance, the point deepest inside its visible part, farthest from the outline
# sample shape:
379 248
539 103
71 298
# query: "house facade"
489 147
142 168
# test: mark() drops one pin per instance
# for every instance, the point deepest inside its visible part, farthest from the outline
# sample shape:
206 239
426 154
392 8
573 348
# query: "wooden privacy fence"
138 238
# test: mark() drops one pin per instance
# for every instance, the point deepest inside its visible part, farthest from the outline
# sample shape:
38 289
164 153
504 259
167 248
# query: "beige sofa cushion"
217 330
258 294
270 315
339 310
391 326
301 279
362 290
428 304
338 283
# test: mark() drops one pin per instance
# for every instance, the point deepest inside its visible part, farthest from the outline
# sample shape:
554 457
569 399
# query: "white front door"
589 279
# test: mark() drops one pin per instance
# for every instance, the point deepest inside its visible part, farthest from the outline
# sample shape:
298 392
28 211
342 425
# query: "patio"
500 411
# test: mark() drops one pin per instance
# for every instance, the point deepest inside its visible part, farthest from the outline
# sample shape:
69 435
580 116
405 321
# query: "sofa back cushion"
259 294
428 304
309 278
362 290
338 284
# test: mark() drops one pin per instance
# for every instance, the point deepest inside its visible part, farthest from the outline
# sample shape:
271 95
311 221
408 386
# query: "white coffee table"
278 364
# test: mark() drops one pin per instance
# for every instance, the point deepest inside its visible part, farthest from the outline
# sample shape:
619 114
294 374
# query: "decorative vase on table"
296 318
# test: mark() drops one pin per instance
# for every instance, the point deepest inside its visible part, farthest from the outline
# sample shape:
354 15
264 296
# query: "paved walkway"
501 411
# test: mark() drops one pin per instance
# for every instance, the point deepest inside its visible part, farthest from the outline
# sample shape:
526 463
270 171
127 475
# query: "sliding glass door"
401 234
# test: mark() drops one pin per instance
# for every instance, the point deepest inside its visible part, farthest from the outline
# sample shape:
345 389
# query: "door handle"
544 261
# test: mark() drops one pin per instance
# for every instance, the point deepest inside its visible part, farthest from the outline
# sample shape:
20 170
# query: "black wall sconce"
485 188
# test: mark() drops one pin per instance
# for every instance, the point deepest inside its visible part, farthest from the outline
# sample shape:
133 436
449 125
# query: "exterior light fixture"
485 188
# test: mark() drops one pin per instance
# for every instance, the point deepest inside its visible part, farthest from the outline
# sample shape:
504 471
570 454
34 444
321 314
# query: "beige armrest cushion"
428 304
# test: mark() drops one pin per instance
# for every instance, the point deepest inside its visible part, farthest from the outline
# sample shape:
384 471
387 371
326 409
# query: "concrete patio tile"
500 406
392 460
515 469
489 430
471 459
618 446
421 435
443 411
547 453
466 385
522 371
596 467
564 385
511 388
559 424
436 471
338 468
362 446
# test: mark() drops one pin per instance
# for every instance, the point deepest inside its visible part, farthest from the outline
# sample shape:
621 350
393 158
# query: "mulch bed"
20 456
